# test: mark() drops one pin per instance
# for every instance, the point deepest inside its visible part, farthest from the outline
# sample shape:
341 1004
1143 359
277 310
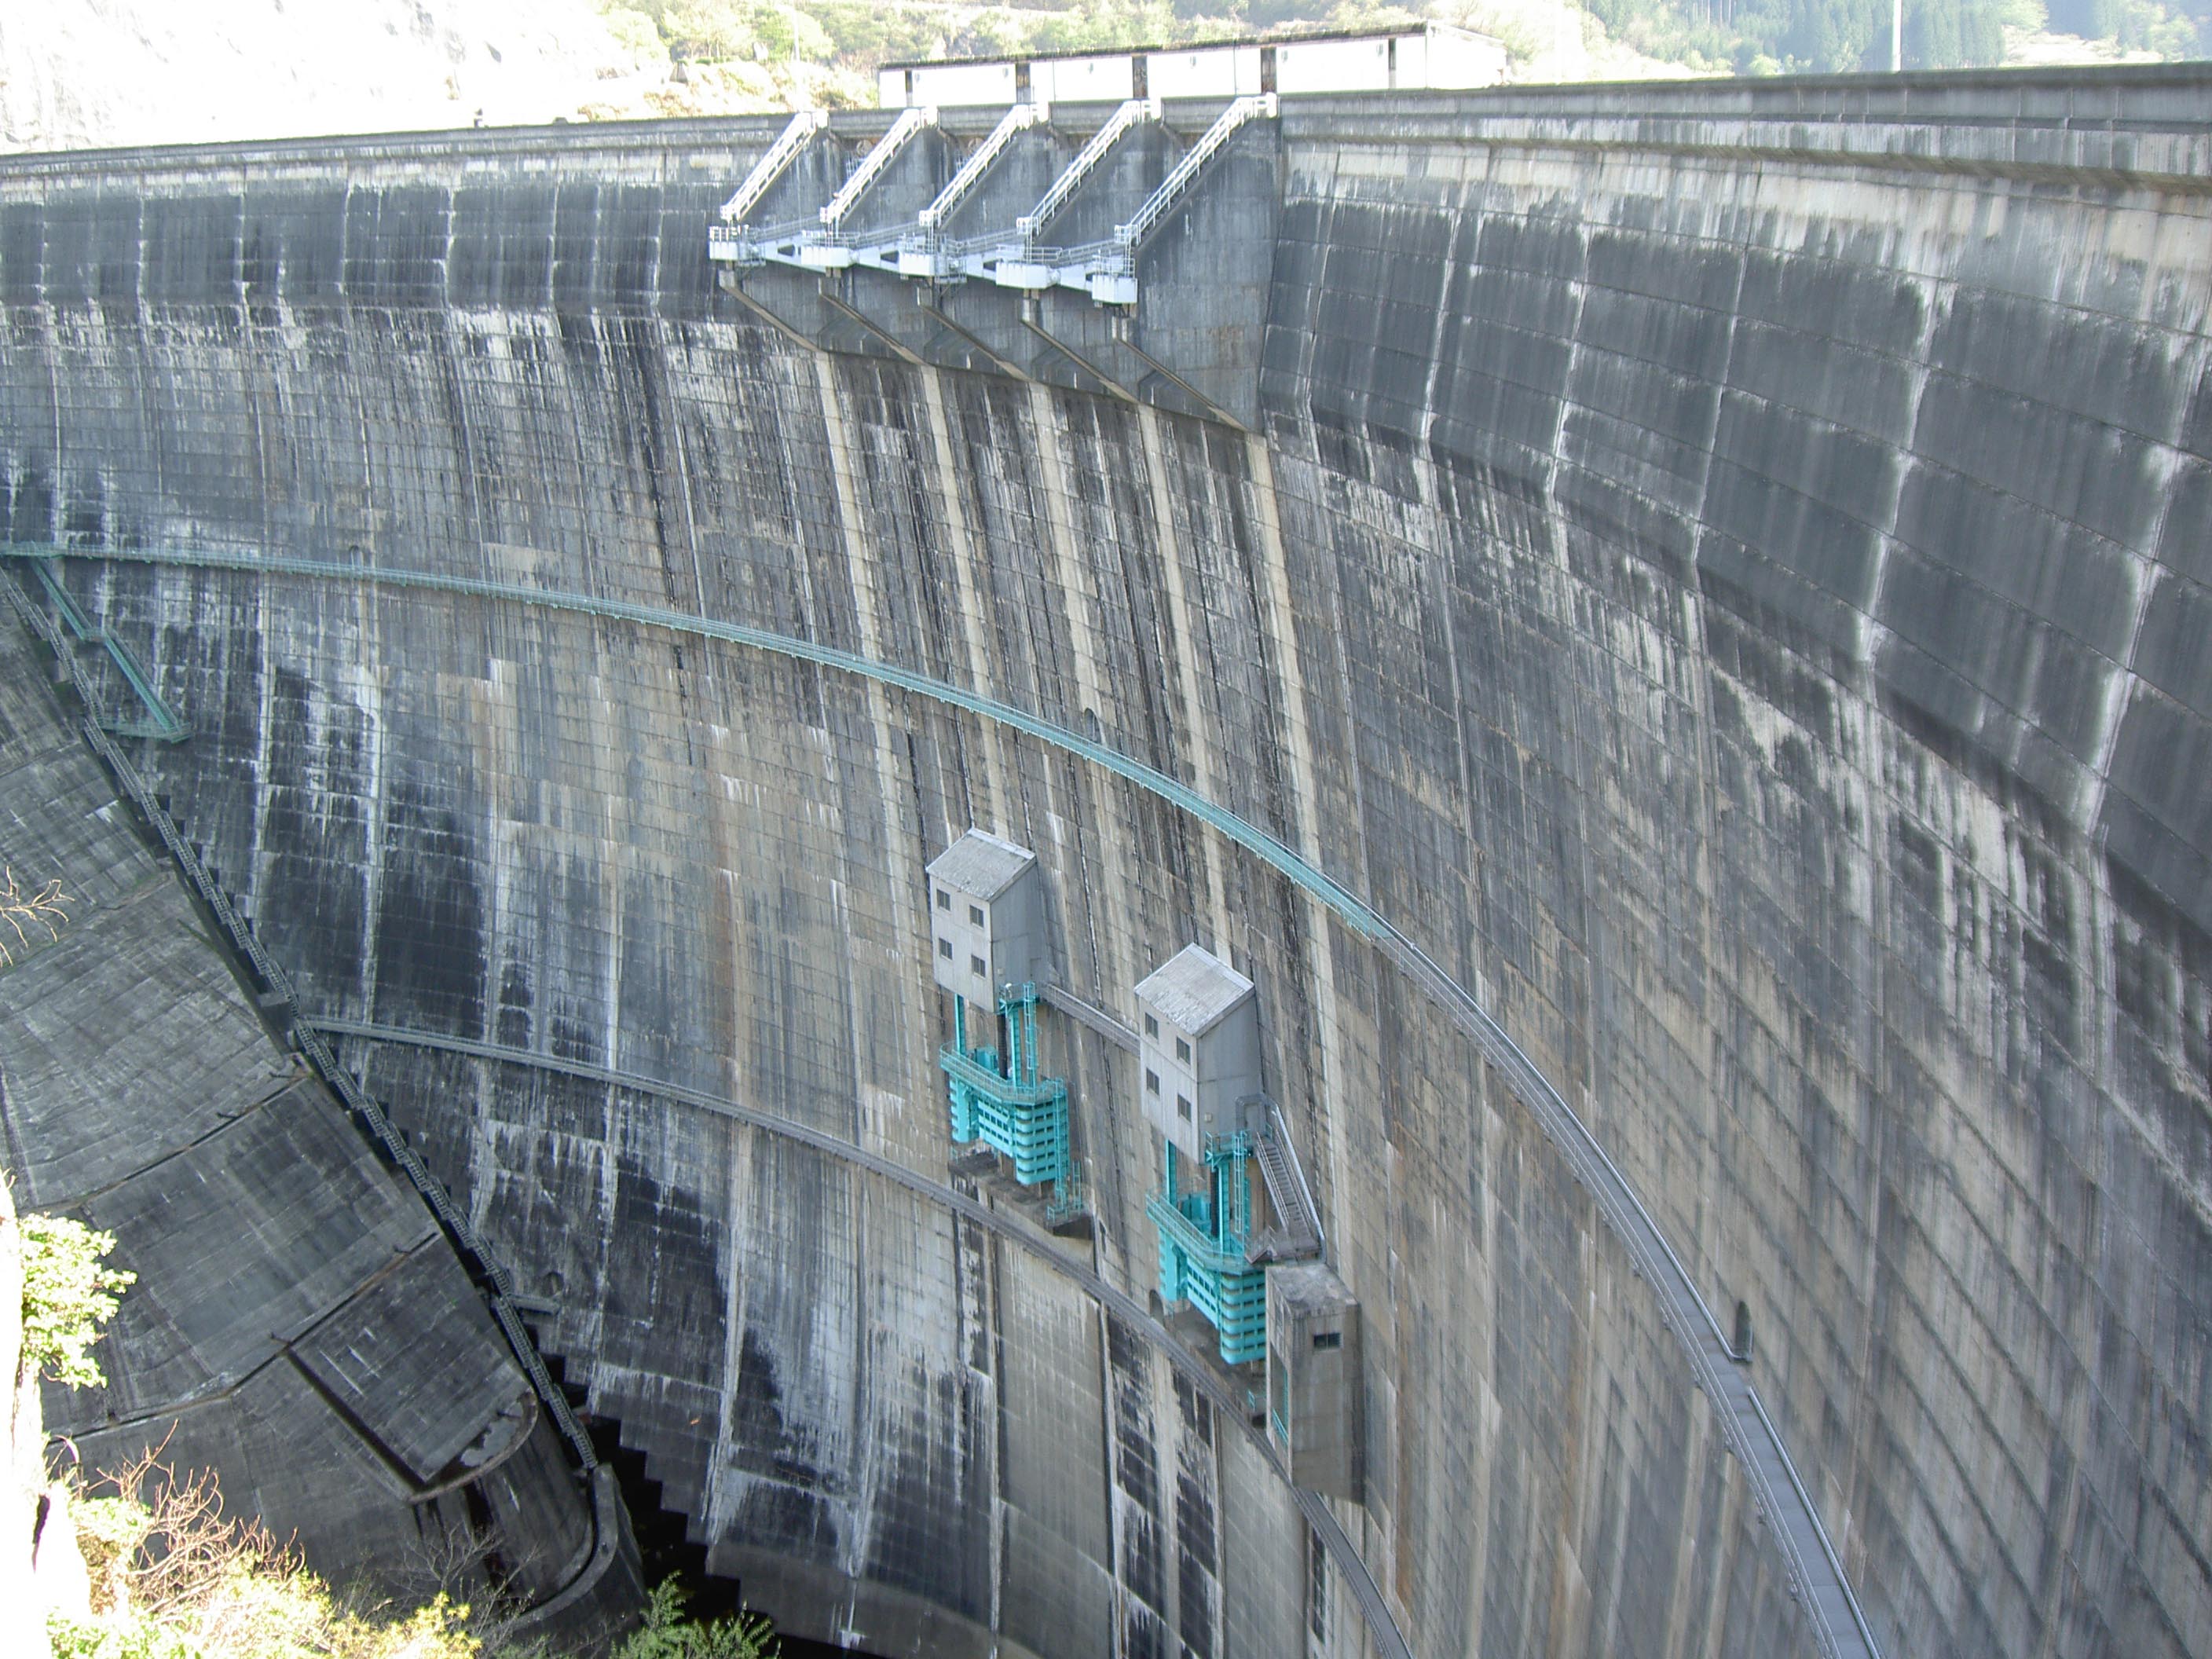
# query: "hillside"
74 72
82 73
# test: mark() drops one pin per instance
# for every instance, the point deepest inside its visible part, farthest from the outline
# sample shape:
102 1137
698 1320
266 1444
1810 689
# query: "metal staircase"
1085 163
802 127
1010 257
1297 1233
1019 119
885 151
1185 171
922 252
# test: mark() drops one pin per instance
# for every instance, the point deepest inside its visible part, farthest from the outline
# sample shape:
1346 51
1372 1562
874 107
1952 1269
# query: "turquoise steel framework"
1203 1233
1000 1100
1745 1426
159 721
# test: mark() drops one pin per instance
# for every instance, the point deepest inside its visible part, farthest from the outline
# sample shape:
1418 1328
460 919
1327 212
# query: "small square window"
1182 1106
943 899
974 915
978 966
945 949
1182 1051
1152 1082
1152 1026
1328 1339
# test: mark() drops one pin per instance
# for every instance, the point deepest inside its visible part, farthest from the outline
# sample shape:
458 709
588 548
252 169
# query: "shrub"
669 1635
69 1293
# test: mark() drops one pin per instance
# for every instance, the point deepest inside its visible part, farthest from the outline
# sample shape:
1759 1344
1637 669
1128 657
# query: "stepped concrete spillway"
296 1321
1662 631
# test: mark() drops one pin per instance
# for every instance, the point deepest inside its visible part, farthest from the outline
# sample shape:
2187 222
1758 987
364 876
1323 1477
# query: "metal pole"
1897 37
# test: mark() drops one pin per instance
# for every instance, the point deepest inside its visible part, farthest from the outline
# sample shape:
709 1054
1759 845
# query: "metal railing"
1019 119
793 138
497 1282
1086 160
742 244
1623 1213
1012 256
1192 1240
161 723
1298 1233
1185 172
886 150
959 1063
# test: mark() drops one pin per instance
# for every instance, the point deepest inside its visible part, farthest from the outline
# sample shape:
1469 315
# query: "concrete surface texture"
1719 567
298 1323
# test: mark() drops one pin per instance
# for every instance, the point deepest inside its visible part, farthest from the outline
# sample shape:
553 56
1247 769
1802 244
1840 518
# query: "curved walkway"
1811 1567
1122 1306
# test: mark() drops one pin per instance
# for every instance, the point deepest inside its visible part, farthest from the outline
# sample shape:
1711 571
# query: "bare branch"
45 908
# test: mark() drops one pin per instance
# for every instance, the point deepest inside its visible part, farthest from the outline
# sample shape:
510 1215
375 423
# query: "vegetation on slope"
161 1572
172 1579
69 1292
698 57
1800 36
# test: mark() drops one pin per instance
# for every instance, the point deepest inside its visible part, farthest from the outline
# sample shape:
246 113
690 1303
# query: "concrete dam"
1660 630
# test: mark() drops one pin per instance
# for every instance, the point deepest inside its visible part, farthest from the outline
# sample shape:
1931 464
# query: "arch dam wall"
1722 569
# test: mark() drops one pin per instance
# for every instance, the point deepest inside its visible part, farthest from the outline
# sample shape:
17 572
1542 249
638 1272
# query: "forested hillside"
771 39
1788 36
77 73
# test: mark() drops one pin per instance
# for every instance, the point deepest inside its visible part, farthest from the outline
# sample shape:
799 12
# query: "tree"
667 1634
69 1293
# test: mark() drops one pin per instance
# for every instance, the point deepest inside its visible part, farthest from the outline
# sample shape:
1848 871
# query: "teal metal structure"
1000 1100
158 720
1203 1231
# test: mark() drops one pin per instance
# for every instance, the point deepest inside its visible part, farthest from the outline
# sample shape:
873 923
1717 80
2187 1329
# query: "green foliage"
638 35
667 1634
1766 36
263 1609
716 31
172 1577
1748 37
69 1293
129 1638
857 35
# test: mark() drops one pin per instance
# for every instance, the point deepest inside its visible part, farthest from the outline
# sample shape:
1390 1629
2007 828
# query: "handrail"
1306 1222
1204 1377
964 1065
746 237
497 1282
1622 1212
1089 1014
1240 110
1019 119
1571 1135
910 121
1124 117
1164 1213
766 170
162 723
1835 1561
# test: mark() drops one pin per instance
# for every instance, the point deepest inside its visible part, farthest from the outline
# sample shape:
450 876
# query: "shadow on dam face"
1715 591
665 1549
